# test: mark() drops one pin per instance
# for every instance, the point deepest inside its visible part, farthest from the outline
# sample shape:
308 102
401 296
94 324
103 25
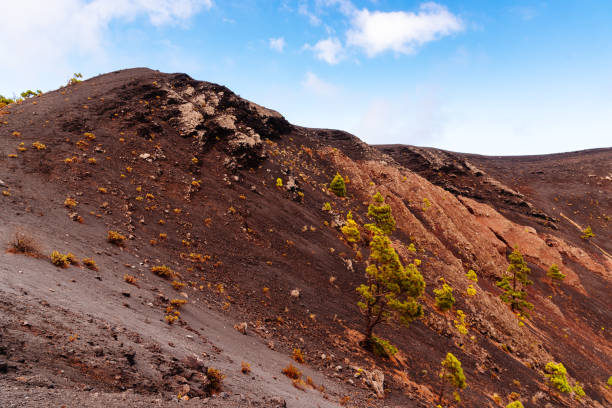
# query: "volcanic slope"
230 197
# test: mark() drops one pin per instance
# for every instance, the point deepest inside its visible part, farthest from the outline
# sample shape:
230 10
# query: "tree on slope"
451 373
391 291
514 283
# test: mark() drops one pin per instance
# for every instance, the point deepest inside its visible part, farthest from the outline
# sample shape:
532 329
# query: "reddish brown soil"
258 236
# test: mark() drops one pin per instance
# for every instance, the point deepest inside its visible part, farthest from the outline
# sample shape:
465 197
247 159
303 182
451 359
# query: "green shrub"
557 375
337 186
515 404
59 259
444 297
579 391
610 381
351 229
5 101
554 273
327 207
587 233
380 213
29 93
382 347
471 275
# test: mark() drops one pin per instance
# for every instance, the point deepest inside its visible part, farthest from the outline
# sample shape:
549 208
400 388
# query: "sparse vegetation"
292 372
163 271
70 202
557 375
380 213
216 379
554 274
587 233
351 230
471 275
451 373
327 207
130 279
22 243
90 264
382 347
515 404
514 283
279 182
115 238
76 78
59 259
444 297
337 186
298 356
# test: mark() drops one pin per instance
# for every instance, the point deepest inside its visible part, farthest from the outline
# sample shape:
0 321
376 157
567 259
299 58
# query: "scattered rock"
375 379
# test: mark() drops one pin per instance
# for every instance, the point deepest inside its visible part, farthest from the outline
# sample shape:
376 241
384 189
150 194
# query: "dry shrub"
216 378
298 356
299 384
22 243
115 238
163 271
90 264
245 367
292 372
130 279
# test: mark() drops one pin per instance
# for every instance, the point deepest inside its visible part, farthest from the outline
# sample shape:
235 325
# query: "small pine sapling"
351 229
444 297
380 213
451 373
337 186
554 274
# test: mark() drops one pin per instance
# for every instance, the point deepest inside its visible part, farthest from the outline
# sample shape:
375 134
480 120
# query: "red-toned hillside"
188 173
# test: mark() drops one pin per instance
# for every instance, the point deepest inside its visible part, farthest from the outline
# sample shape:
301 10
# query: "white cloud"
316 85
329 50
277 44
400 31
313 19
43 36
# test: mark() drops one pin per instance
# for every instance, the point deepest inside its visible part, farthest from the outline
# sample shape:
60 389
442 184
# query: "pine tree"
444 297
351 230
514 283
337 186
453 374
554 274
391 290
380 213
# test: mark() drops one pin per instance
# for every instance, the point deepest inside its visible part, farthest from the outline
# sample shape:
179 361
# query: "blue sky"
489 77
